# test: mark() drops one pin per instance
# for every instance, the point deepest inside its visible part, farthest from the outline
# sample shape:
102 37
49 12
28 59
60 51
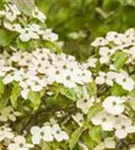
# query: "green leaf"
132 93
92 89
119 59
75 137
93 110
16 91
2 87
35 99
45 146
25 6
5 39
95 133
69 93
53 47
4 99
132 103
117 90
1 146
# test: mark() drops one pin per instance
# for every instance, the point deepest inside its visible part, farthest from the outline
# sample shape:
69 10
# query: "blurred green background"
88 18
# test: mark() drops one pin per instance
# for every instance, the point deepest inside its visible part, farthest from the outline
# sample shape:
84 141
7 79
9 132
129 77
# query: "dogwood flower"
44 133
13 27
109 143
6 133
114 105
99 42
38 14
104 119
105 54
8 113
107 78
59 134
27 34
125 81
19 143
49 35
85 104
78 118
11 12
123 126
115 37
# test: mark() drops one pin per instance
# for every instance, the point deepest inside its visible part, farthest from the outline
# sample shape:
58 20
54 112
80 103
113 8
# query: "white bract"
48 133
105 54
114 105
59 134
109 143
8 113
85 104
45 133
6 133
39 15
78 118
19 143
99 42
125 81
106 78
104 119
123 126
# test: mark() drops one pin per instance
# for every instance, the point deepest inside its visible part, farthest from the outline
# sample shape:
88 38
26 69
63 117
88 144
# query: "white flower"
59 135
27 34
6 133
114 105
125 81
24 93
104 119
115 37
36 28
105 54
8 113
99 42
78 118
123 126
107 78
39 15
13 27
20 144
12 12
45 133
92 62
130 35
49 35
109 143
85 104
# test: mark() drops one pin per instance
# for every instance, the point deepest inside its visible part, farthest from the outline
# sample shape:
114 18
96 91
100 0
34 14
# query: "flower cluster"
48 133
23 26
34 71
49 100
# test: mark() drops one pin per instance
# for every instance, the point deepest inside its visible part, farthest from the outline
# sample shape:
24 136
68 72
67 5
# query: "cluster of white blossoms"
111 77
34 71
116 42
26 32
113 117
48 133
93 100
